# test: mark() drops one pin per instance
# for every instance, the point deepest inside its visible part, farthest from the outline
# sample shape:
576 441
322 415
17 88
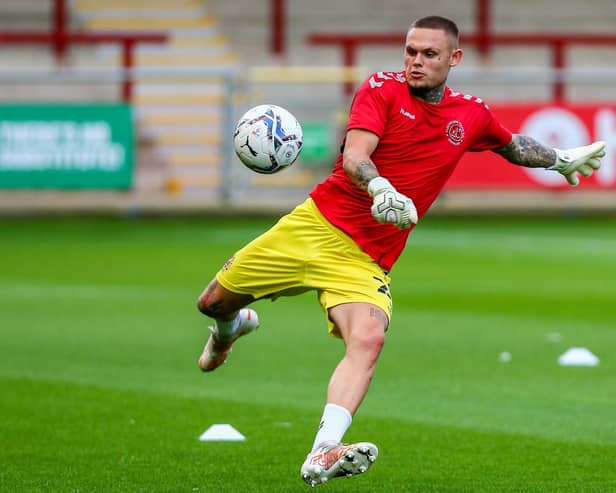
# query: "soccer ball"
268 138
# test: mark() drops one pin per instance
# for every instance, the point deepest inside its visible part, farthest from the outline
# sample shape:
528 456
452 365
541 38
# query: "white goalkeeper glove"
583 160
390 206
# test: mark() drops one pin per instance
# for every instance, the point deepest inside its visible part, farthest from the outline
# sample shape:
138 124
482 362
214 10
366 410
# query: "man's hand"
583 160
389 206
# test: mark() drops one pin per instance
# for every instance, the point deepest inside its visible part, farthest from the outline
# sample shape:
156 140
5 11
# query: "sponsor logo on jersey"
407 114
455 132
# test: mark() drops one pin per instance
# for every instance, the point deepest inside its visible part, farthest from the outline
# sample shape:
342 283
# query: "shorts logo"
455 132
383 287
228 263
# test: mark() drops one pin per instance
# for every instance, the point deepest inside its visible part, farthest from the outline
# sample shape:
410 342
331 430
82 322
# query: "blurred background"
129 106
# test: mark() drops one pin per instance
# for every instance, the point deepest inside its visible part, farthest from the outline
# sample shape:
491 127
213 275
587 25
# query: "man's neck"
433 95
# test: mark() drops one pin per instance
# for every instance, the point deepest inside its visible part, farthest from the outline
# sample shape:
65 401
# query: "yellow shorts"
304 252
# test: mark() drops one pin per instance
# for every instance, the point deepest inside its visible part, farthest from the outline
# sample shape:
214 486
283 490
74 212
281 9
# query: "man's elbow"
348 160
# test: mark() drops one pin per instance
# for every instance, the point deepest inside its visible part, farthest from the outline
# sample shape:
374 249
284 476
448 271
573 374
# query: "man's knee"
209 302
361 325
374 337
369 341
219 303
204 306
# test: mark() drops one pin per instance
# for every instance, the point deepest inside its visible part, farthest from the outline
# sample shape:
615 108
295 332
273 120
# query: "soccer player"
405 135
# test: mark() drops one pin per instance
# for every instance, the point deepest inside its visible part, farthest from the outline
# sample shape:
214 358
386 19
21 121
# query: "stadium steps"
181 112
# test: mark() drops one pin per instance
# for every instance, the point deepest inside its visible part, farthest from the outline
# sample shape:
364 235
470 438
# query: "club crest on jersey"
455 132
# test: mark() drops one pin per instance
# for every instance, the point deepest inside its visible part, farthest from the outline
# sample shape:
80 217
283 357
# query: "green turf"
99 336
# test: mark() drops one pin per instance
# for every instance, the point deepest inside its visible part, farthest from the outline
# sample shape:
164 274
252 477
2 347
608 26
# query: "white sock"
334 424
226 327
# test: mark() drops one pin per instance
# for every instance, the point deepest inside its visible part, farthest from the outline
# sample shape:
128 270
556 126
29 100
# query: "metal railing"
322 101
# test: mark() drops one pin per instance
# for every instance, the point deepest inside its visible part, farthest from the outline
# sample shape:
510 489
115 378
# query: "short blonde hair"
437 22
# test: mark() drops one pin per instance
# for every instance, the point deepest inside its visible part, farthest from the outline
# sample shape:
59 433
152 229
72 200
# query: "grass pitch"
100 390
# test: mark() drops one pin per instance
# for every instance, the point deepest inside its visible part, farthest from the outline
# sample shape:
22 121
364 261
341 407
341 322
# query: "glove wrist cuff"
562 157
377 184
557 160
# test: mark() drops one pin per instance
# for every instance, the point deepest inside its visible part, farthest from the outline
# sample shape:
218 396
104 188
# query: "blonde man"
406 133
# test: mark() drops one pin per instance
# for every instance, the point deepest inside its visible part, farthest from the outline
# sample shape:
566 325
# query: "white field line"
497 324
532 286
21 290
544 245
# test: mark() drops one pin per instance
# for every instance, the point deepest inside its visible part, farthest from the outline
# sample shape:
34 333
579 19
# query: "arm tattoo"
526 151
363 173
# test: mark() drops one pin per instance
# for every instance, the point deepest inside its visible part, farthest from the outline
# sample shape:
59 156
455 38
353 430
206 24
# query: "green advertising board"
66 146
318 147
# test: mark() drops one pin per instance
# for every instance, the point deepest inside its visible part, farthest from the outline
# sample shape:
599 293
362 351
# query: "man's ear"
456 57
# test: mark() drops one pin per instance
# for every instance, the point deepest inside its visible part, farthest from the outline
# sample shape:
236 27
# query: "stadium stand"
25 14
182 115
251 39
183 101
